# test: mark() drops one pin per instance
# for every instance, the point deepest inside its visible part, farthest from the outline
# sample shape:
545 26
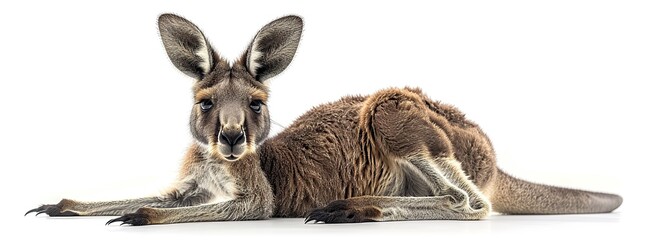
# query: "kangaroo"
393 155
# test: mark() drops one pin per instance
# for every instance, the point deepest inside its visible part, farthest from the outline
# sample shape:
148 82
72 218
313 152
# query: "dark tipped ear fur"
273 47
186 46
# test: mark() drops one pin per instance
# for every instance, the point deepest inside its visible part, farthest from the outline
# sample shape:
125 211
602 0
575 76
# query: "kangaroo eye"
256 106
206 105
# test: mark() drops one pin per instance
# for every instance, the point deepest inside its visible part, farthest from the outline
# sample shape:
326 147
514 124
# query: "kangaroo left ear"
273 47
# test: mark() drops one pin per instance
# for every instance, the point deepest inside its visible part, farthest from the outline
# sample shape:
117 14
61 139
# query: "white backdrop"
93 109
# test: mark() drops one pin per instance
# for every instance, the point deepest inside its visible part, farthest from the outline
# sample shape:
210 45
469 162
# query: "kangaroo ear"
273 47
186 46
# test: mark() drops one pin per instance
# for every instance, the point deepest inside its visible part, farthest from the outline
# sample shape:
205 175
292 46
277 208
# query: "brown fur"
335 151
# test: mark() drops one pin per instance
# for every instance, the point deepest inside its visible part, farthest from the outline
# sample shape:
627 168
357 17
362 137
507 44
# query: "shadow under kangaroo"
393 155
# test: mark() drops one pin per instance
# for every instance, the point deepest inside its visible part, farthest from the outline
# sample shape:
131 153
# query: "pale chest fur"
211 181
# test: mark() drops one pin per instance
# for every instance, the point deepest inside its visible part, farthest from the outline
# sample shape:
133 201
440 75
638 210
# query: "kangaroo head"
229 117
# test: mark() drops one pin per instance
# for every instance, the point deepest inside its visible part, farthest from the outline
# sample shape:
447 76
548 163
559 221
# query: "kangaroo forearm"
106 208
238 209
120 207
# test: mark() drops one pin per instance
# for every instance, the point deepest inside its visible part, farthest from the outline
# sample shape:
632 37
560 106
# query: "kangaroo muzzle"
232 141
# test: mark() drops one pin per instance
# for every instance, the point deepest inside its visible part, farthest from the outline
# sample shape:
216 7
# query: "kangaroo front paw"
139 218
341 211
54 210
134 219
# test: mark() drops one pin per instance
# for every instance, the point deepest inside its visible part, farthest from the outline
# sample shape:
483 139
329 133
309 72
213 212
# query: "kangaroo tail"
516 196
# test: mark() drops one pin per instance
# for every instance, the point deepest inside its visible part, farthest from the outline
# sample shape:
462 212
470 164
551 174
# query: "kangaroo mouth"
231 157
234 151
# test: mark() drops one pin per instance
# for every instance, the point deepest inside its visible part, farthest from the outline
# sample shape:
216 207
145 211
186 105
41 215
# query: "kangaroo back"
516 196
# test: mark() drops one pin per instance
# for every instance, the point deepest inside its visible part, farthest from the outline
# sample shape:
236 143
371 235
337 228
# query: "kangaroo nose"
232 137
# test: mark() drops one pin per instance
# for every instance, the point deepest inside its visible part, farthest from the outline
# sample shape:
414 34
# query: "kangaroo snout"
232 141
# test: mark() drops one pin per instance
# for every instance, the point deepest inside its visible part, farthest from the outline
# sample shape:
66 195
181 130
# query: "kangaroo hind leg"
406 129
400 128
449 201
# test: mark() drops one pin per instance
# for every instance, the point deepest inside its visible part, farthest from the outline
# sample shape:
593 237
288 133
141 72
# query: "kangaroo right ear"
186 46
